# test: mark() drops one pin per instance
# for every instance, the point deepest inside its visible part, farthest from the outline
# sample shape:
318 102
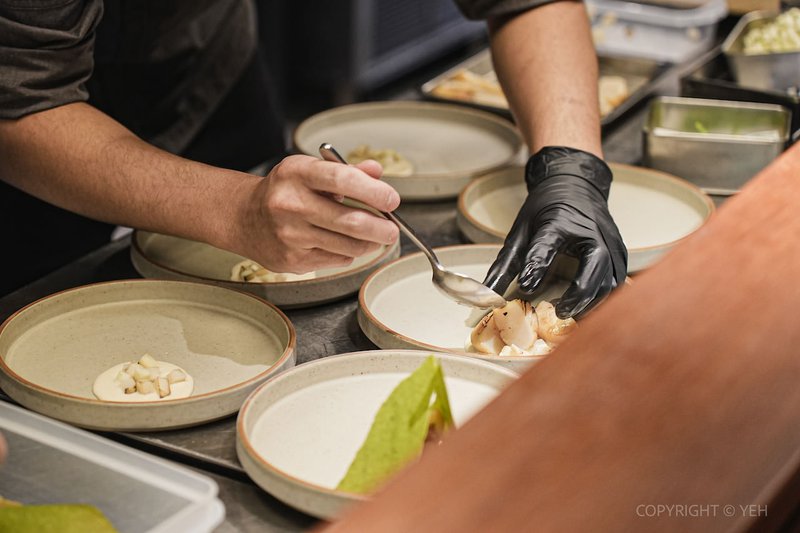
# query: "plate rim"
417 104
388 249
699 193
285 355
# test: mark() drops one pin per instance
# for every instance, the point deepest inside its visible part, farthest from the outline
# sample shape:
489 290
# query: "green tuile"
398 433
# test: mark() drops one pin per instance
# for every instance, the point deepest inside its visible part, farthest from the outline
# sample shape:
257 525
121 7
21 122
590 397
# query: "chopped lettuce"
400 429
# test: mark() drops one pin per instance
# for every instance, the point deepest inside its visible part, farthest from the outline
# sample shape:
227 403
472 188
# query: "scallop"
551 328
485 338
514 324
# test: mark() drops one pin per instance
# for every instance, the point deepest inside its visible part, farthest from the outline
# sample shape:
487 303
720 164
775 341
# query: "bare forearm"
78 158
546 63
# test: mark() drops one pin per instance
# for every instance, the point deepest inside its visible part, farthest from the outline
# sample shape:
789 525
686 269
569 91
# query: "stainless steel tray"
716 144
713 78
640 75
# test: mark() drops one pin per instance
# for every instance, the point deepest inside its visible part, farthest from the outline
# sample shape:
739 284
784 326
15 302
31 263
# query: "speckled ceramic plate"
166 257
447 145
52 350
298 433
398 306
653 210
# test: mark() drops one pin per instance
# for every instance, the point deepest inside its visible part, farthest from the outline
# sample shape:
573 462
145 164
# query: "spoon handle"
329 153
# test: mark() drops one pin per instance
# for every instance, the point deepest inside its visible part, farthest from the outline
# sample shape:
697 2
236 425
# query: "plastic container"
661 33
50 462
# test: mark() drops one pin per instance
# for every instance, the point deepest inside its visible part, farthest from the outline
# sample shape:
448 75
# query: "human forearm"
546 63
545 60
78 158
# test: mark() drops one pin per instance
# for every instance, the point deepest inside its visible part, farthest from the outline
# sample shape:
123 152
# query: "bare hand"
293 222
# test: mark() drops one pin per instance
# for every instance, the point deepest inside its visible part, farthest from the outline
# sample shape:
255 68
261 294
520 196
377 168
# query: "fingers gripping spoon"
463 289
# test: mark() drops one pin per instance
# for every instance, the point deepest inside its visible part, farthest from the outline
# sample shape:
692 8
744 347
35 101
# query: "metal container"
640 74
778 70
714 79
716 144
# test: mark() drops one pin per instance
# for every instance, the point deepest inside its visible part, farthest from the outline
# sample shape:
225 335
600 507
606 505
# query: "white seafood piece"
139 372
176 376
485 338
540 347
145 387
125 380
148 361
162 385
511 325
551 328
516 324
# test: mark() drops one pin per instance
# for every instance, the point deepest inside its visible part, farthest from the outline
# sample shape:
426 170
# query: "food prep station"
655 126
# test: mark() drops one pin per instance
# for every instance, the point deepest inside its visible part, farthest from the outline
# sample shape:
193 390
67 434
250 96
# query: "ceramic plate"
399 307
653 210
167 257
298 433
447 145
52 350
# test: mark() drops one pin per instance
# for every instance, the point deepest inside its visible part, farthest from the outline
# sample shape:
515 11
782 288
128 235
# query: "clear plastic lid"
50 462
710 12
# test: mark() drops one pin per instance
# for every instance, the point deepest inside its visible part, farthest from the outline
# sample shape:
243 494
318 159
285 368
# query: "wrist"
233 212
551 161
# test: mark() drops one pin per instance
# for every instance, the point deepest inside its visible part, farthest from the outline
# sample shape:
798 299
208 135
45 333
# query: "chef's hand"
566 211
293 222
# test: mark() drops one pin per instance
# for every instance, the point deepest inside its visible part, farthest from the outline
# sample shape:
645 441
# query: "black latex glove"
566 211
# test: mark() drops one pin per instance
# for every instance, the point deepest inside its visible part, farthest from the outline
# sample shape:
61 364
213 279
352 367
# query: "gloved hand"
566 211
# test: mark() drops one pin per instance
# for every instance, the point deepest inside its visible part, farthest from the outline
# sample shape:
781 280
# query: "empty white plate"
653 210
297 434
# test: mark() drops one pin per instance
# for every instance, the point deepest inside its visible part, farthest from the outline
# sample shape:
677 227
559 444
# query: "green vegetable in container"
417 410
68 518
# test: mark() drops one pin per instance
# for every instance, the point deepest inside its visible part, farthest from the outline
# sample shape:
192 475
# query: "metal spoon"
463 289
